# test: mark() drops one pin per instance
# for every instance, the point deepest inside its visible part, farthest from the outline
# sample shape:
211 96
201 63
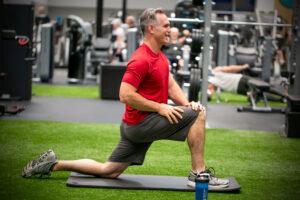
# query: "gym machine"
79 38
257 91
226 48
22 41
16 52
99 55
45 57
132 41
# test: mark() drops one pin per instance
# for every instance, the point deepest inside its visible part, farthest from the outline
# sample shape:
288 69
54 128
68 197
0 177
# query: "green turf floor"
265 164
74 91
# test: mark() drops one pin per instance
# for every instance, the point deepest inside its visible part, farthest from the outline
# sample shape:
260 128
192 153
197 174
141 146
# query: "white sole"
192 184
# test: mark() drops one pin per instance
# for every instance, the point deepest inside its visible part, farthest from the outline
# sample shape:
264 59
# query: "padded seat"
261 85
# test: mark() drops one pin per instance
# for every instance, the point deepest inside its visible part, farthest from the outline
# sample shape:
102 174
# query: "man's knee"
110 170
199 114
116 175
110 173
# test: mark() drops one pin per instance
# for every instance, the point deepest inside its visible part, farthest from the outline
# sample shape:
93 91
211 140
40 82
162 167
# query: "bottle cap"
203 178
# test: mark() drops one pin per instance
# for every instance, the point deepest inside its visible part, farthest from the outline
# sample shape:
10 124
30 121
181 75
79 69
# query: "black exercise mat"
141 182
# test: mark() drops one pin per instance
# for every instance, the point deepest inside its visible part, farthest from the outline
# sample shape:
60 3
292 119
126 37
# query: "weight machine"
79 40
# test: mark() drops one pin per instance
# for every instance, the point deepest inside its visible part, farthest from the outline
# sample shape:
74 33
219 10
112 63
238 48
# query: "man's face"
161 30
174 34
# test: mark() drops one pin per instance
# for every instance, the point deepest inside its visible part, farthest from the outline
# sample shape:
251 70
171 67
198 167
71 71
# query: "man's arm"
231 68
176 93
128 95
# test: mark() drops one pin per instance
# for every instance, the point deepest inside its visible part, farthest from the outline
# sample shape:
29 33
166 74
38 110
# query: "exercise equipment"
267 61
195 84
99 55
16 51
10 110
200 21
45 62
132 41
186 9
258 90
226 48
223 43
174 54
142 182
80 38
110 80
196 44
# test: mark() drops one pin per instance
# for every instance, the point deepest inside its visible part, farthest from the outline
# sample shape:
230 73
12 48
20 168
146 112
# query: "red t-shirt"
149 73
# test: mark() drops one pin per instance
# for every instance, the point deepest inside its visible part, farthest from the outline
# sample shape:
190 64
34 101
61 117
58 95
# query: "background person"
229 79
118 39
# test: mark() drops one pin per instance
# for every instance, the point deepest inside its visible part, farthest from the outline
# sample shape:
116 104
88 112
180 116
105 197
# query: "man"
145 89
130 21
229 79
118 39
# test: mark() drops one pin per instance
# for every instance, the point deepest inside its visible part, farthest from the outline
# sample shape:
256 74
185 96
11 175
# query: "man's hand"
172 113
196 106
245 66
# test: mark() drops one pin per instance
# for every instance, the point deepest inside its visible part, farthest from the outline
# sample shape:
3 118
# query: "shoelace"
41 158
210 171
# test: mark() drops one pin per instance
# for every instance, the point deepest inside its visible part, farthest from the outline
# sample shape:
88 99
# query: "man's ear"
151 28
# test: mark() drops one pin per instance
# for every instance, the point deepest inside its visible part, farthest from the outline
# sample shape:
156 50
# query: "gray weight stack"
45 64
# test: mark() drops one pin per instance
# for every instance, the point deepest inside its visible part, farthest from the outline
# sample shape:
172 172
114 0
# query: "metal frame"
228 22
206 51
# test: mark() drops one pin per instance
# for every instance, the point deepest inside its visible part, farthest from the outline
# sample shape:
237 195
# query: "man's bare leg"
196 142
88 166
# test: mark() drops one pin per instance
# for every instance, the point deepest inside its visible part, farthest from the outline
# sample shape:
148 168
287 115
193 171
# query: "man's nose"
169 29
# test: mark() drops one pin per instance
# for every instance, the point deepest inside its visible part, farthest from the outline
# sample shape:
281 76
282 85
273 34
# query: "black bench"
257 91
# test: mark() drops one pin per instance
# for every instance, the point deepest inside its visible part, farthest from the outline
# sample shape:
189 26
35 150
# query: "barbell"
198 21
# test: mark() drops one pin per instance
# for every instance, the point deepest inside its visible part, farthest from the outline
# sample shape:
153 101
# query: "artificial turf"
74 91
265 164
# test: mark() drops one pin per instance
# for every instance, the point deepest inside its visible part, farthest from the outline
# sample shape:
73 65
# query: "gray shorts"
135 140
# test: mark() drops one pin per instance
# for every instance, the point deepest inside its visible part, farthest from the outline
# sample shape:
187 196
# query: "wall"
88 14
131 4
86 9
26 1
284 12
265 5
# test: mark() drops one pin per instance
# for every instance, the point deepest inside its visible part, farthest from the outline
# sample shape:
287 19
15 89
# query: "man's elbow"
125 96
122 97
126 93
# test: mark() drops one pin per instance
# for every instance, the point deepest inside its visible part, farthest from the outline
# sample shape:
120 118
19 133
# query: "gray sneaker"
41 165
214 182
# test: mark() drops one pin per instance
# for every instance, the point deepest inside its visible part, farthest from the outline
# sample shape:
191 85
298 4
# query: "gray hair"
149 17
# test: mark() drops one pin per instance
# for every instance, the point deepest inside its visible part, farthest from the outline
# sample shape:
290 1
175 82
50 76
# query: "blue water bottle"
202 187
